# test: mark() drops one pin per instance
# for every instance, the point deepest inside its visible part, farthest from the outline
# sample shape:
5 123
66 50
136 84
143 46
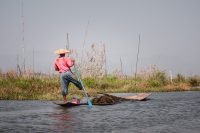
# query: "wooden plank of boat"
138 97
69 104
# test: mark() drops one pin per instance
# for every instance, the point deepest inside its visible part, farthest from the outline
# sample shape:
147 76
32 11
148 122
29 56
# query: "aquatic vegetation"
194 81
48 87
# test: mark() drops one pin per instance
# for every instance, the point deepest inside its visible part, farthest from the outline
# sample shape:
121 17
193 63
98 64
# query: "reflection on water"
163 112
61 118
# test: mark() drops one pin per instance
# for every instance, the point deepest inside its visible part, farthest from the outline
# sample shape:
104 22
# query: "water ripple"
163 112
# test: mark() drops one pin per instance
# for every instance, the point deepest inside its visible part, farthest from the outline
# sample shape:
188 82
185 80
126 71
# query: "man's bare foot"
65 99
88 94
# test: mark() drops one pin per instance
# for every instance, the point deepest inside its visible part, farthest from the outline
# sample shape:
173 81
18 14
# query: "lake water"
173 112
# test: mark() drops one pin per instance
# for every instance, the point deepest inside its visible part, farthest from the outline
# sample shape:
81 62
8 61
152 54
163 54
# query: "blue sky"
169 29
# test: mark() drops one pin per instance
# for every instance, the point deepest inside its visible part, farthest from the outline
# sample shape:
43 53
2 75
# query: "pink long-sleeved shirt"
63 64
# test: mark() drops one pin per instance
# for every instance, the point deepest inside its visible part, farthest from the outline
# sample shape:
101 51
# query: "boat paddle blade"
89 104
84 91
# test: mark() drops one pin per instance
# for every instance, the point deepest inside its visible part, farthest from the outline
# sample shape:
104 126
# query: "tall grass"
28 88
48 87
93 62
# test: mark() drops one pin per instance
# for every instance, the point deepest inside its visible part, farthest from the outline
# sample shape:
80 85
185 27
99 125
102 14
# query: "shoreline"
80 95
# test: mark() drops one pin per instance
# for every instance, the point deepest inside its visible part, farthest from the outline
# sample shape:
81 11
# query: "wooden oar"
84 91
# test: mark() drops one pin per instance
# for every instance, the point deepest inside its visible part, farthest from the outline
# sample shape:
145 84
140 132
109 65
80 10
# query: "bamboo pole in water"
67 44
23 45
121 67
33 62
137 59
104 50
84 41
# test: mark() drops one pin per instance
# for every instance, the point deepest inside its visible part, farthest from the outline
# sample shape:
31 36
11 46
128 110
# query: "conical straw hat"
62 51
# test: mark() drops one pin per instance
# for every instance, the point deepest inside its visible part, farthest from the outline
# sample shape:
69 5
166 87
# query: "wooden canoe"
137 97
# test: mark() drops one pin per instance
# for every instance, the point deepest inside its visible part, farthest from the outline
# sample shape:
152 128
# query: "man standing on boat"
63 64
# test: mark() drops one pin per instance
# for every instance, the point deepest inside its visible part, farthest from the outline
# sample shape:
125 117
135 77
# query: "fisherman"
63 64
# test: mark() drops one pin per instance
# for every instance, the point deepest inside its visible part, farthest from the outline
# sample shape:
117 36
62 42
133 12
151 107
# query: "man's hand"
56 68
73 60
